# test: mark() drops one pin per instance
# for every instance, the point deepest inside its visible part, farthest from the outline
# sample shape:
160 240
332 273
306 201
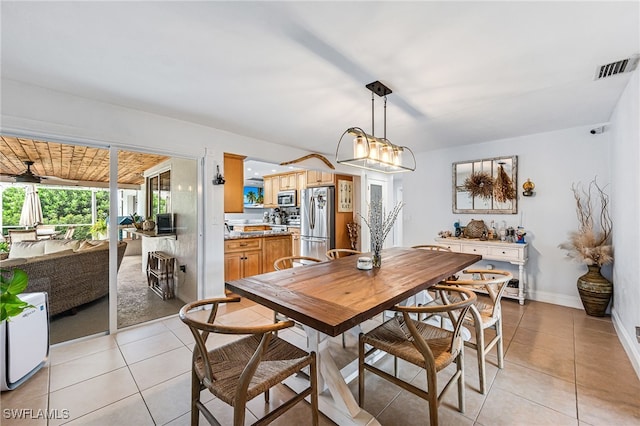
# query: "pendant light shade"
360 149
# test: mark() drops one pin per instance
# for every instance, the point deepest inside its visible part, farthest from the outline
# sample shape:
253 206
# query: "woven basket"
475 228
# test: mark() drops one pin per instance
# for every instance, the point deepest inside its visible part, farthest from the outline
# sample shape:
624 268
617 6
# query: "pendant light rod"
385 117
373 112
370 152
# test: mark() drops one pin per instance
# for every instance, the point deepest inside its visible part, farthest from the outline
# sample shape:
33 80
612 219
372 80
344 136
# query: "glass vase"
376 255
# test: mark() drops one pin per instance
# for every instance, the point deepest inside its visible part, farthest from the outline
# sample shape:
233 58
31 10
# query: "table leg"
335 398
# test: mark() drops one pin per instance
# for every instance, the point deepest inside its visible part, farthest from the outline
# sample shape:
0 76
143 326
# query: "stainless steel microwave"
287 198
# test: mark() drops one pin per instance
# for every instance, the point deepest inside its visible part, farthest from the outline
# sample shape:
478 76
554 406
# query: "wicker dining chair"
286 263
429 347
243 369
290 261
338 253
432 247
484 315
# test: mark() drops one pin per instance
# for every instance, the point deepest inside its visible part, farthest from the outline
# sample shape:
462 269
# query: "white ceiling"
294 72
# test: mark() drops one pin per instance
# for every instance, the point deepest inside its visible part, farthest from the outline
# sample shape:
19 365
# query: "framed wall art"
345 196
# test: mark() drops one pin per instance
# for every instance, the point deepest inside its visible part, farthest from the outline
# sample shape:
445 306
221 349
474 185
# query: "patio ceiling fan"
29 177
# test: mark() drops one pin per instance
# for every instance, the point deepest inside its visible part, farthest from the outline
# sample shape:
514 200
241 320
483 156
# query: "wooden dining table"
332 297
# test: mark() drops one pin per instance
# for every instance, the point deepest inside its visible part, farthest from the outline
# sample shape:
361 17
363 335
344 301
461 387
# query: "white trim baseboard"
628 342
554 298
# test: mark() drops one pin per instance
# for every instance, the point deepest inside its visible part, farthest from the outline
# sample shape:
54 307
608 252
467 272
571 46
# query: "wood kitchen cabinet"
271 188
274 248
242 258
295 240
301 183
288 182
234 183
318 178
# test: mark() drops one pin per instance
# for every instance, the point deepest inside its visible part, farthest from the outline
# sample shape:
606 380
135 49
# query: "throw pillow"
91 245
54 246
26 249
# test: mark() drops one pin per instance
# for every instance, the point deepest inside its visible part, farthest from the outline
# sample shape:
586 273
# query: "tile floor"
561 368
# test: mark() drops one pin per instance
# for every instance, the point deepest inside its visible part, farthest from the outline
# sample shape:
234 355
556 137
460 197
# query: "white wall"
625 205
553 161
36 112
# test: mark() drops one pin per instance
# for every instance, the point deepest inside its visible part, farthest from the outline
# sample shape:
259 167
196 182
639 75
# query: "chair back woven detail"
241 370
338 253
424 345
288 261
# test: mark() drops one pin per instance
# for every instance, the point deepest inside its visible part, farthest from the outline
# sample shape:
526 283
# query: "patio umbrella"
31 209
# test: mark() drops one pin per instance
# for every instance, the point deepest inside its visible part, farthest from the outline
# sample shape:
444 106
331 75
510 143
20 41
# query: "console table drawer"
473 249
506 253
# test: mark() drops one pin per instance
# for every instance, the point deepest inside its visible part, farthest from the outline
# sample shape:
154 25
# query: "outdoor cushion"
54 246
26 249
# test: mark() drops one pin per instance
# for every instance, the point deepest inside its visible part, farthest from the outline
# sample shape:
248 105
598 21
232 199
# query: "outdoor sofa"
72 272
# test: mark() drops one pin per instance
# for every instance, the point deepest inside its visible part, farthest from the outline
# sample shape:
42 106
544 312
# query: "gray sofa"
72 278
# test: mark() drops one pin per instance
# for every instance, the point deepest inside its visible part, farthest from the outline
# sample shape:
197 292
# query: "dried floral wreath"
479 184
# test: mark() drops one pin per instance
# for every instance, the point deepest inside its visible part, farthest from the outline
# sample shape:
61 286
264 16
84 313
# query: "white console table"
514 253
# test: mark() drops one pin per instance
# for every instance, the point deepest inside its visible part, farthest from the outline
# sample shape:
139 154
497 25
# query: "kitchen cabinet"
288 182
249 228
242 258
318 178
295 240
234 183
274 248
271 188
513 253
301 183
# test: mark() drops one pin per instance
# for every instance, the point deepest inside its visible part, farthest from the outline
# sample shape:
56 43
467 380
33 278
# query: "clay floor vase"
595 291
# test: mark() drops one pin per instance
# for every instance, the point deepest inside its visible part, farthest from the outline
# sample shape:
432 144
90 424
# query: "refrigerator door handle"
312 213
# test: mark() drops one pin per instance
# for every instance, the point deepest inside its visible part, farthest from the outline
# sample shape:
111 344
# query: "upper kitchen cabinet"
318 178
288 182
234 183
271 188
301 181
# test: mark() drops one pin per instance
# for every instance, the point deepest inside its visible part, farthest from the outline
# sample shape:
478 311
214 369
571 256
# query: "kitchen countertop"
254 234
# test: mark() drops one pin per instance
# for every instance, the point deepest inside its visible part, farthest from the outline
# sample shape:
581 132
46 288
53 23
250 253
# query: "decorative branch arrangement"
589 244
380 225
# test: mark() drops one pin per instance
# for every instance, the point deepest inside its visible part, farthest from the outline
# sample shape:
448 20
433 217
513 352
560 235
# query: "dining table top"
335 295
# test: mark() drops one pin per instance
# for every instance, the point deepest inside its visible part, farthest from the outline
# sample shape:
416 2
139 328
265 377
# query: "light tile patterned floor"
561 367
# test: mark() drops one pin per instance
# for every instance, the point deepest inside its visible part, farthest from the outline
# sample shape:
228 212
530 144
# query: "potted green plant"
136 219
99 229
10 303
4 250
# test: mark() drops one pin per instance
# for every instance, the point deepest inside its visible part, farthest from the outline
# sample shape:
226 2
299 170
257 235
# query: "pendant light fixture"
359 149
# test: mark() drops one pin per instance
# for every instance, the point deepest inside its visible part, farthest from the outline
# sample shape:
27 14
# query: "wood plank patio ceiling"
73 162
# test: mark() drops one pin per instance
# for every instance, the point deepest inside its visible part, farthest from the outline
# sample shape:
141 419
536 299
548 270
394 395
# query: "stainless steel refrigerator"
317 221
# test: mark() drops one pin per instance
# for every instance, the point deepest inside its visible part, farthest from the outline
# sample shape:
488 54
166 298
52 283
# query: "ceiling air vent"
618 67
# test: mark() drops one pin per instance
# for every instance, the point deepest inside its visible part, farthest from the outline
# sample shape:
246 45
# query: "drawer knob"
504 252
243 244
